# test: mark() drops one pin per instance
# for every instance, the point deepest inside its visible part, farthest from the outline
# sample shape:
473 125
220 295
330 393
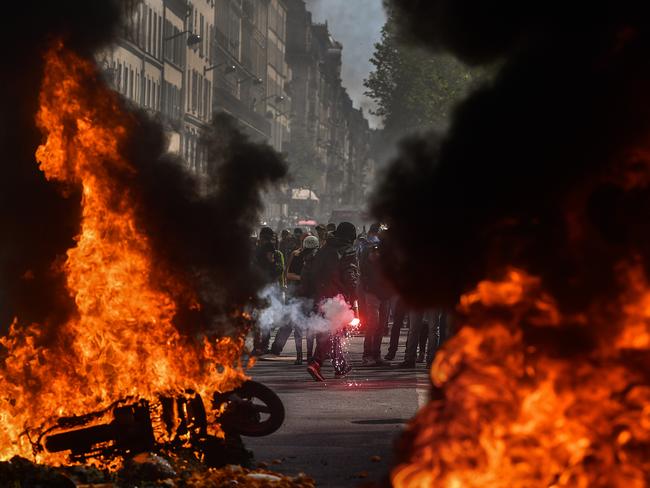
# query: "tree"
416 89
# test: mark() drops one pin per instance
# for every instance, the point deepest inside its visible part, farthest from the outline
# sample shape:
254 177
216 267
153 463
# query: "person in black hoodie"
334 271
270 263
377 292
294 291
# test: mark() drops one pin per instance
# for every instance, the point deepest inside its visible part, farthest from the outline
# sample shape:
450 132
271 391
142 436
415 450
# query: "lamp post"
229 69
192 39
256 80
278 99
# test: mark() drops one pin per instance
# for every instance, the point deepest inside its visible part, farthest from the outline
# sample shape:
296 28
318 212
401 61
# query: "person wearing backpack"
334 272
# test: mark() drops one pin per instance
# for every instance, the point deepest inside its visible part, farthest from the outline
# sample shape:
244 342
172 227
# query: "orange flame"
121 341
507 412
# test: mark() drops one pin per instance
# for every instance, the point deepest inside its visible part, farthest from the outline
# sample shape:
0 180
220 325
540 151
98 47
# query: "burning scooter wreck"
141 358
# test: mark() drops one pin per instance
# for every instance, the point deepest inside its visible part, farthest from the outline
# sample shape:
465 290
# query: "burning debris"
537 201
130 309
146 471
123 339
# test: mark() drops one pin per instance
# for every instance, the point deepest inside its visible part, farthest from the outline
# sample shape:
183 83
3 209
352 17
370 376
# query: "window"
211 44
131 85
154 47
201 34
189 92
200 93
194 88
148 29
206 99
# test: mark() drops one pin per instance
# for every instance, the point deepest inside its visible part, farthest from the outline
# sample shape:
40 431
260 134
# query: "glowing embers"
524 397
121 341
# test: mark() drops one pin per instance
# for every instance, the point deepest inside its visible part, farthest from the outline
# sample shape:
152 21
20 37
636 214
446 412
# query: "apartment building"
240 64
267 64
278 100
329 137
199 82
159 63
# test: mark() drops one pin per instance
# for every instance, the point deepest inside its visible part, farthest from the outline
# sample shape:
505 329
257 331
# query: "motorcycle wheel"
255 411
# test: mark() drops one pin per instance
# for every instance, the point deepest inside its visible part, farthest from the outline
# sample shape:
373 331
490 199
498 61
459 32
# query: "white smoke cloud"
330 315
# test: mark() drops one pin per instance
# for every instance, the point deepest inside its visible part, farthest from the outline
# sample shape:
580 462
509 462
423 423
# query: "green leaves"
416 89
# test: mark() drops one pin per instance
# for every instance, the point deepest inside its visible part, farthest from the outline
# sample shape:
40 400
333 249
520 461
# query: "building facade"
199 82
240 64
160 63
330 139
267 64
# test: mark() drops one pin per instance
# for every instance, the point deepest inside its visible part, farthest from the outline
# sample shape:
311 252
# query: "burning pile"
513 407
122 340
537 200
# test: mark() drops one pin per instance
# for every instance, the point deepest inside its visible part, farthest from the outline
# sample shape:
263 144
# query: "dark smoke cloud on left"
37 221
203 239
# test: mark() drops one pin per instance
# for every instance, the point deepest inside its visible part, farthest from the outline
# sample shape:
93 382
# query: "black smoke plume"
199 228
37 222
545 168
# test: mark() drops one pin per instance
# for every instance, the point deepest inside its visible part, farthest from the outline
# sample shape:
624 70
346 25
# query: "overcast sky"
357 25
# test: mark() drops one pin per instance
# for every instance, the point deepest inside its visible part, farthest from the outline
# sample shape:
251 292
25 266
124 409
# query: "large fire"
121 342
525 397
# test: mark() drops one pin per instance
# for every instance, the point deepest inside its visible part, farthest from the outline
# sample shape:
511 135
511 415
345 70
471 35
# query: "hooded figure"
336 267
336 272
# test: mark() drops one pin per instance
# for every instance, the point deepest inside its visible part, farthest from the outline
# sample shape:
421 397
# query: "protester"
331 230
377 293
270 262
334 271
370 239
400 312
298 235
361 246
429 321
294 290
321 231
288 244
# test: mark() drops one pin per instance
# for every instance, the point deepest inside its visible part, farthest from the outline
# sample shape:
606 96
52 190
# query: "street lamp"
255 80
278 99
193 40
229 69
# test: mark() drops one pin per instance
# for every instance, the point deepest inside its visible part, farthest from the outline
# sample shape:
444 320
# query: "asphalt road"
341 432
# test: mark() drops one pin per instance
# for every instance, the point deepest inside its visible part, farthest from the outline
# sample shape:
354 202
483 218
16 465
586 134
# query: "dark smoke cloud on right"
546 168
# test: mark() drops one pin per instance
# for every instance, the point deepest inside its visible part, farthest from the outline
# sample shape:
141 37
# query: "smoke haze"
333 312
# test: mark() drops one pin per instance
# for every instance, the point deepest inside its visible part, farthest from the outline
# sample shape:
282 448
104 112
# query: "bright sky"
357 25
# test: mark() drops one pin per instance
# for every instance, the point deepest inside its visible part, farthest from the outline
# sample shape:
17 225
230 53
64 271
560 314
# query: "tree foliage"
416 89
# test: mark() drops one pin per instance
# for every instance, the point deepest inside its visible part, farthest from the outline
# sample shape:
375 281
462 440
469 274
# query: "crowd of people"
335 261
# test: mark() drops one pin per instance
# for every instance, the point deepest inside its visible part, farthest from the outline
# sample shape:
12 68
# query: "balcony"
254 122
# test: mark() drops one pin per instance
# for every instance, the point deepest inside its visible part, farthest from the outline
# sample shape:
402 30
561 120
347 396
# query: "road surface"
341 432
